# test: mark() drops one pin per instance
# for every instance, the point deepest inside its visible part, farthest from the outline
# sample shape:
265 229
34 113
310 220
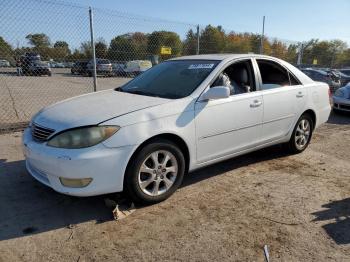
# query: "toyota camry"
181 115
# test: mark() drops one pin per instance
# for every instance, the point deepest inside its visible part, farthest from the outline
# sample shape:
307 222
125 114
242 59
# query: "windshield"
171 79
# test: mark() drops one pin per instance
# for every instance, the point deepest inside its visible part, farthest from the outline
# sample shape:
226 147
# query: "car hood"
93 108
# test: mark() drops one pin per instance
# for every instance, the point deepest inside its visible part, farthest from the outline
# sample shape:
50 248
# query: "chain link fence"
47 55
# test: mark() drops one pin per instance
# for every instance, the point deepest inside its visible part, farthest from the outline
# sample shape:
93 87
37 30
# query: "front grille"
40 133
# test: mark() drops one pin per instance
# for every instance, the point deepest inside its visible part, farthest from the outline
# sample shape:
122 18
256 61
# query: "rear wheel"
155 172
302 134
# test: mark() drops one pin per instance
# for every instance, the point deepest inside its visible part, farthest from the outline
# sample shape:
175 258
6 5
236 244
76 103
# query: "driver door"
229 125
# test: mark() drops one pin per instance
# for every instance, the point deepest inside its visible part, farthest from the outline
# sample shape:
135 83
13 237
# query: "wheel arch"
180 142
312 114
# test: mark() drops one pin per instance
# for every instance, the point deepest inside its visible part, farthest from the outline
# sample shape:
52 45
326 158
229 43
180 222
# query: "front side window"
238 77
171 79
272 75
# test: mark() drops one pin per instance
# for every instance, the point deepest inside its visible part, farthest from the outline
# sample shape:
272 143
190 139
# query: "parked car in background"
345 71
68 64
31 64
54 64
37 68
341 99
103 67
344 79
80 68
119 69
180 115
4 63
322 76
136 67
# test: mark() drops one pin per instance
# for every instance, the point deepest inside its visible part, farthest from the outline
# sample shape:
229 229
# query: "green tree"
122 48
76 56
86 50
101 48
157 39
41 44
292 53
6 51
190 43
279 49
212 40
140 41
60 50
38 40
238 43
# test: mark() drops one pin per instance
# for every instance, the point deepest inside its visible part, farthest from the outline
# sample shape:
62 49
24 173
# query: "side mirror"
216 92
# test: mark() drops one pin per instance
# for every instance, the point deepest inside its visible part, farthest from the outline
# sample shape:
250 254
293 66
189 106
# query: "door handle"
300 94
256 103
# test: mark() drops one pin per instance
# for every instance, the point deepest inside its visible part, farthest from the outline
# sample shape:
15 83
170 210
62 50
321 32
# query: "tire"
159 181
301 136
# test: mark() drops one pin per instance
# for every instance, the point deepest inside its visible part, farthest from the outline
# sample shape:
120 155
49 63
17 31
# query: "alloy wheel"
302 134
157 173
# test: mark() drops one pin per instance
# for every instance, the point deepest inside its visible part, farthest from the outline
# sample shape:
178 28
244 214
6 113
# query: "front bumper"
106 166
341 104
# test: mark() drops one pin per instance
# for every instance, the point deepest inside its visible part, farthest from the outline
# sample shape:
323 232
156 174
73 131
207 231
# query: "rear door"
284 99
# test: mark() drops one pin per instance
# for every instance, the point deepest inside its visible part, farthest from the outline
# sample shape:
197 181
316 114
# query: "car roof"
220 57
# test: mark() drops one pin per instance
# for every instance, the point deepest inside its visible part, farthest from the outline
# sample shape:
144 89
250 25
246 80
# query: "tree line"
138 45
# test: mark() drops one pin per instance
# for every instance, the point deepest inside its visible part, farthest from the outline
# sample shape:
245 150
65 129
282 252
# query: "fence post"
93 48
197 51
300 54
262 37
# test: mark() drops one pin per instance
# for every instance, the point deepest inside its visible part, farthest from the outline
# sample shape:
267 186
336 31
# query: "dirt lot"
23 96
297 205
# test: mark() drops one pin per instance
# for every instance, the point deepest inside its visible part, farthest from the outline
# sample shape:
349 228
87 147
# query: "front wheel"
301 135
155 172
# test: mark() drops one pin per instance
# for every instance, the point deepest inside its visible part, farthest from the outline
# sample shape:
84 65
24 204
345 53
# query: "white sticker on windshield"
201 66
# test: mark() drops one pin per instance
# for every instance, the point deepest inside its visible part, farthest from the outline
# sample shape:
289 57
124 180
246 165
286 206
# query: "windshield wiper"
138 92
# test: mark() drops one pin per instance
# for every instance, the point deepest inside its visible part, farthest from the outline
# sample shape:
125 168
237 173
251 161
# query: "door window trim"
223 67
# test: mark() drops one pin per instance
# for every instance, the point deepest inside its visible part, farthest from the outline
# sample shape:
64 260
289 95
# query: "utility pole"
93 49
197 51
262 37
300 54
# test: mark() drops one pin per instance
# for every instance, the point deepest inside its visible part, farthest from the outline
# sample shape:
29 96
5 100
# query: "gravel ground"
298 205
22 96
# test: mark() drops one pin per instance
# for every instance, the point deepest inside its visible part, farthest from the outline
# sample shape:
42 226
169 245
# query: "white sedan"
181 115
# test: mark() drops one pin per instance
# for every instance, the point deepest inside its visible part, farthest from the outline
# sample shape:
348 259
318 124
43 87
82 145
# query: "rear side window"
293 80
274 76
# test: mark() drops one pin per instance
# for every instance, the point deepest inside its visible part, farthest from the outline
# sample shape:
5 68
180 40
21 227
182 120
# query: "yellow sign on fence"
165 50
314 62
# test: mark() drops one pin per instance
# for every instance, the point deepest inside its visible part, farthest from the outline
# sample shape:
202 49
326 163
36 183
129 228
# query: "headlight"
339 93
83 137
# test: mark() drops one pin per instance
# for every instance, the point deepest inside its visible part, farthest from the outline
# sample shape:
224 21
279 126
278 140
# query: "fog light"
76 183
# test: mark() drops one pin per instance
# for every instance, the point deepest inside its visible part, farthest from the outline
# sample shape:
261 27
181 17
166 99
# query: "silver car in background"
341 99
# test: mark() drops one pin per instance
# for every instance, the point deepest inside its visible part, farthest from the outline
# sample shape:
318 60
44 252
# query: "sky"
287 19
291 20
